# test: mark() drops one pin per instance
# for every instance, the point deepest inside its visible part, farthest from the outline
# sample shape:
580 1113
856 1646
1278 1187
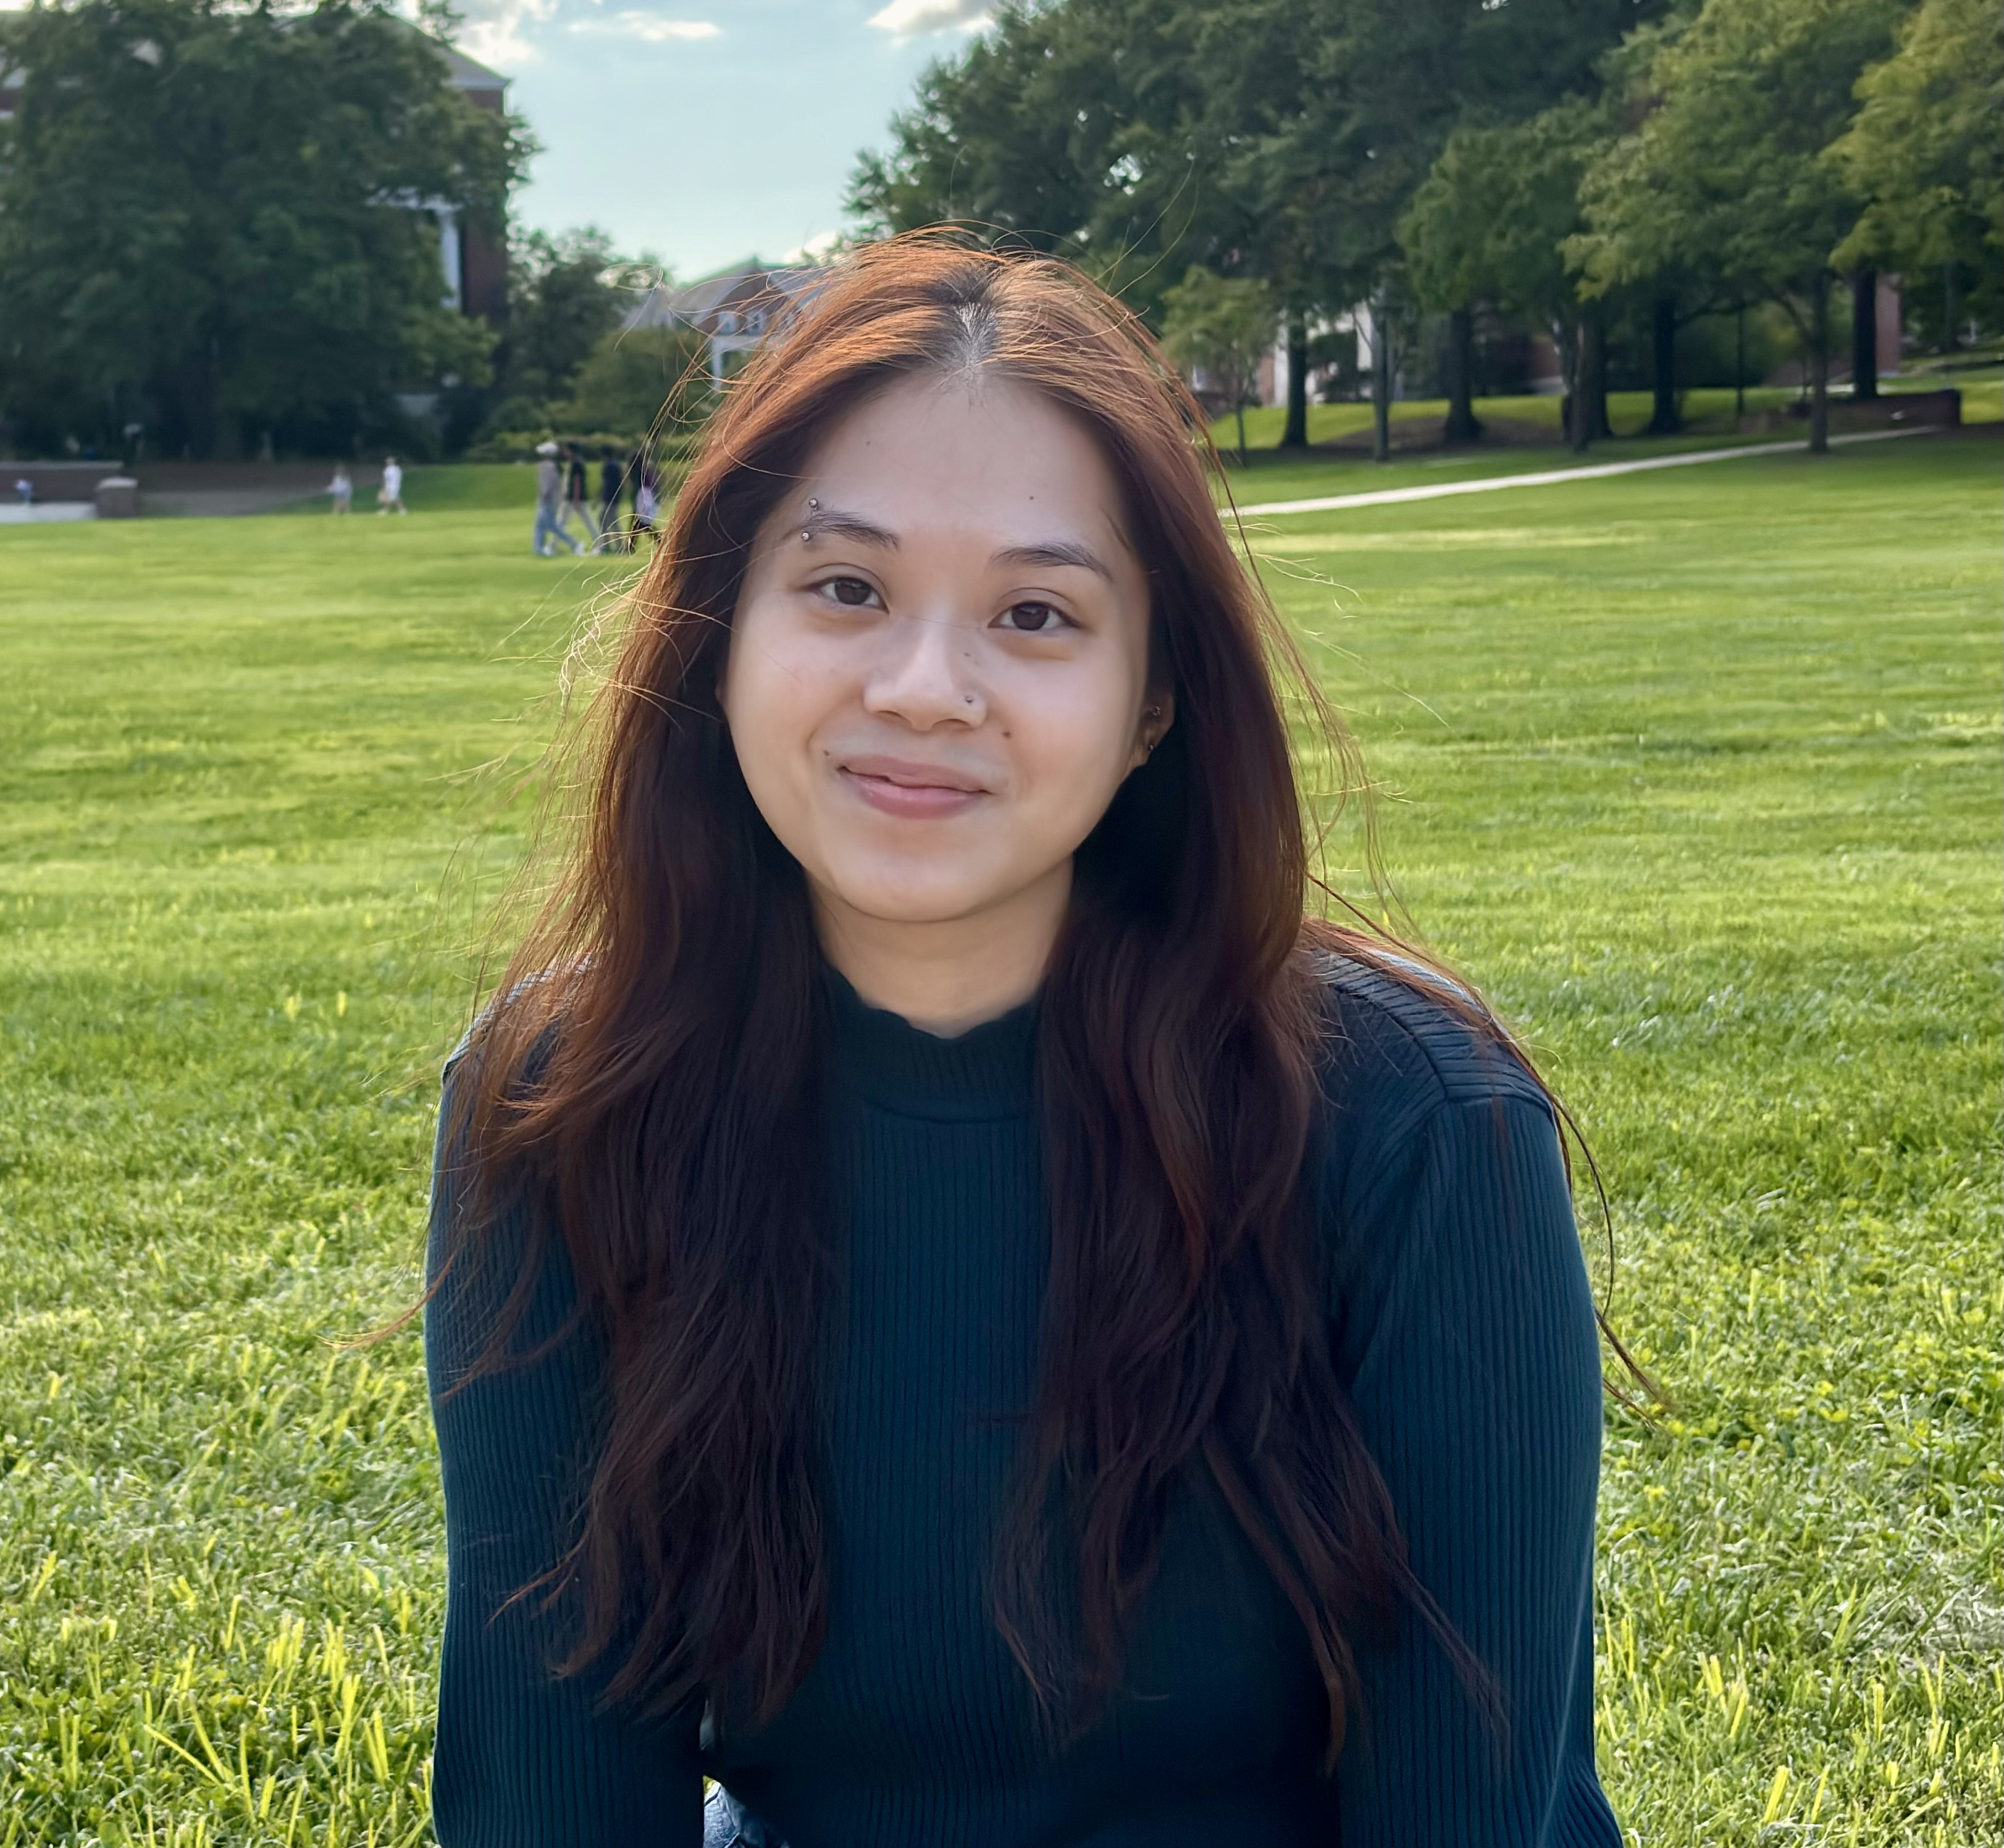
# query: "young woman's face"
938 670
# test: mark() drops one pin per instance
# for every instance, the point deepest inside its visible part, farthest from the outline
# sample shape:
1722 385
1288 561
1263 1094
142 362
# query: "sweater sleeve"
1474 1363
523 1758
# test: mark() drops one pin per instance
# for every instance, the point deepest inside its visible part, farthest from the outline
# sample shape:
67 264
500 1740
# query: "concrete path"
1546 478
13 514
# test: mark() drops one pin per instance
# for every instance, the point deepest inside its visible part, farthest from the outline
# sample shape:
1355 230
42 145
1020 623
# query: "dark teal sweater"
1463 1326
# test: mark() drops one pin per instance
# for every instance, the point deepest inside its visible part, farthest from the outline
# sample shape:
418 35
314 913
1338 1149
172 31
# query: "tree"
629 378
1279 140
1220 328
218 221
1450 244
1726 174
1010 137
1923 151
1491 222
563 297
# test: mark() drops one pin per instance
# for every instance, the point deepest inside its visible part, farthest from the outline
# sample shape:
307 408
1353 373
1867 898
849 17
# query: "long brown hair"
651 1072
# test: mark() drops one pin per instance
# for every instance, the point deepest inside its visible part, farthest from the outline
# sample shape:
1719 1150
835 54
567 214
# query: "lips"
897 786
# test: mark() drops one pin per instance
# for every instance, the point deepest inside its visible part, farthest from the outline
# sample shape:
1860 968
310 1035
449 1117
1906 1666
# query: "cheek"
769 722
776 693
1072 738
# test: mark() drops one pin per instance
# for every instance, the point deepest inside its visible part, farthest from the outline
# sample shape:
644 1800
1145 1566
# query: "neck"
949 976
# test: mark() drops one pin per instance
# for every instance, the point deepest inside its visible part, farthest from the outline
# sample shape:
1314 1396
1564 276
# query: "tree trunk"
1819 364
1381 383
1463 424
1294 432
1739 363
1663 418
1240 408
1594 378
1865 333
1587 418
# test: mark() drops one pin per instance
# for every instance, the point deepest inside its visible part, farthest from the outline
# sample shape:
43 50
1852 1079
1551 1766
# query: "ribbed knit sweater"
1462 1327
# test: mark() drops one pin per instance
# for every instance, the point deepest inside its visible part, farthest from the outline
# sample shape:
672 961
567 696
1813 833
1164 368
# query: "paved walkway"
13 514
1546 478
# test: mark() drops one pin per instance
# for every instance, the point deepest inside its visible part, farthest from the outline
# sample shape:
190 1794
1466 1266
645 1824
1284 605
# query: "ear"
1158 714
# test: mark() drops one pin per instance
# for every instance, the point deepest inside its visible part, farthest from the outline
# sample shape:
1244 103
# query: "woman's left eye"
1034 618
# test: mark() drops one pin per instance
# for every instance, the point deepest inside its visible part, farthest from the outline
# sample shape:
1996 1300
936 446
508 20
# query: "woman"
646 496
956 1313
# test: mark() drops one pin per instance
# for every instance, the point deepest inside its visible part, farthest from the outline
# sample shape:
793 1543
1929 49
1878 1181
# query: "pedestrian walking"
647 498
611 484
390 496
342 489
577 498
549 501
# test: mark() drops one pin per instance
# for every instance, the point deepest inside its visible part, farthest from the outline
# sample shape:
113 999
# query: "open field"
1698 772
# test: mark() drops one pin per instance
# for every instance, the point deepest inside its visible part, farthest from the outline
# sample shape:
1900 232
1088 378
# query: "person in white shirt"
390 496
341 487
549 496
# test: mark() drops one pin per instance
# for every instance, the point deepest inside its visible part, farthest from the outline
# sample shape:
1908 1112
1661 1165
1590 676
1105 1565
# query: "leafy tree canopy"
1726 175
213 220
1925 148
1489 222
628 380
1273 139
563 294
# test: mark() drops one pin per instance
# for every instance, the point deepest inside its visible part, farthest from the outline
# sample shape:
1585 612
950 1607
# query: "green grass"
1697 773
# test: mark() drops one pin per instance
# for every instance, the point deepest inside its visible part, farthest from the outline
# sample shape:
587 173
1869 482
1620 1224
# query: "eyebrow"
831 523
1055 552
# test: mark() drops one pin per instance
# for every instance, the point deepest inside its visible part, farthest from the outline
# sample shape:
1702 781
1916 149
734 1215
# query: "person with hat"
549 494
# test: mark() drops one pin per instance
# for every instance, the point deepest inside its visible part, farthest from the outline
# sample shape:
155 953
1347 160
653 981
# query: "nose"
928 676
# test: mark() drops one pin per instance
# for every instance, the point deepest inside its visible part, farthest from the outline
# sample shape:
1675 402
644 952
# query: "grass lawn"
1698 772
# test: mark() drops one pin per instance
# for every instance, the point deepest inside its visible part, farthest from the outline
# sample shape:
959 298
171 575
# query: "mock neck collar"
990 1071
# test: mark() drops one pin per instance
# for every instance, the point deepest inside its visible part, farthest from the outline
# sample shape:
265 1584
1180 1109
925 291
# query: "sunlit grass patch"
1698 773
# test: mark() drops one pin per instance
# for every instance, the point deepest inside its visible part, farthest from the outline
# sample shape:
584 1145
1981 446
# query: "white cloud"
503 32
915 19
650 27
496 32
822 245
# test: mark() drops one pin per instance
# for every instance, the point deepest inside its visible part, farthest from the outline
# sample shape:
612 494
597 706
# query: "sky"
710 130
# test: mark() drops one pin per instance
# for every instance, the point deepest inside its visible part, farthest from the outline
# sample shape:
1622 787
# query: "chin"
917 900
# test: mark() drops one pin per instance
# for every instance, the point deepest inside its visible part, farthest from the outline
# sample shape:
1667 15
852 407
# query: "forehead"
990 457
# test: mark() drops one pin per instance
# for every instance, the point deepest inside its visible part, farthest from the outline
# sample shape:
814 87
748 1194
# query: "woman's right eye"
852 593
